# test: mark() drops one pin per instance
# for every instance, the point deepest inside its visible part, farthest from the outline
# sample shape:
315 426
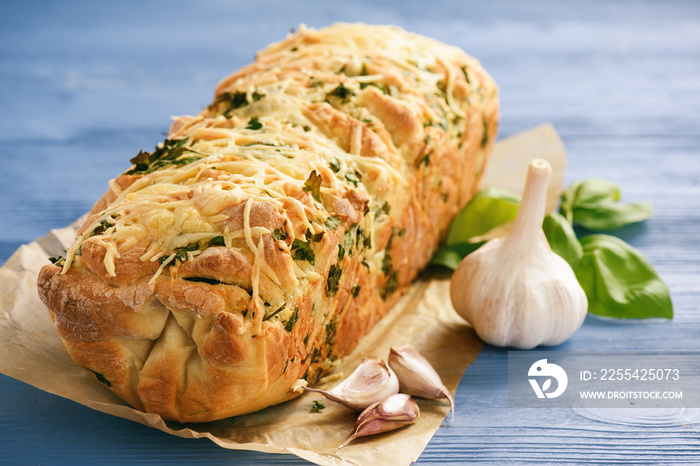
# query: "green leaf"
488 209
619 282
594 204
450 256
562 238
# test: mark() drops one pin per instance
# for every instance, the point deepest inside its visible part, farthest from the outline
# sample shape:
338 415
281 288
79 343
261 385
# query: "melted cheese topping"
257 142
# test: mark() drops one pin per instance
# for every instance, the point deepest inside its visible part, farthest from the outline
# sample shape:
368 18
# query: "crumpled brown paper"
31 350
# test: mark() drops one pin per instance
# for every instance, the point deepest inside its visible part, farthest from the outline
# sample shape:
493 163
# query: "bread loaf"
265 236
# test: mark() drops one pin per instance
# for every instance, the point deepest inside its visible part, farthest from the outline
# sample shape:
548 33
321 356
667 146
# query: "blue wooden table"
85 84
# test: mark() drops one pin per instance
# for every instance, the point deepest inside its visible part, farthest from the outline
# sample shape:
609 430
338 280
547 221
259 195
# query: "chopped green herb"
186 160
466 76
313 185
352 178
333 280
56 260
141 161
342 92
301 251
485 138
279 234
355 291
276 312
341 252
104 225
425 160
386 207
313 82
334 164
333 222
306 128
391 285
169 152
217 241
362 239
254 124
379 86
234 100
181 253
257 96
348 240
292 320
387 262
317 237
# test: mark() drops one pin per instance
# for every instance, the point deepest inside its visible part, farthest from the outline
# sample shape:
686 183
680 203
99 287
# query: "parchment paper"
31 351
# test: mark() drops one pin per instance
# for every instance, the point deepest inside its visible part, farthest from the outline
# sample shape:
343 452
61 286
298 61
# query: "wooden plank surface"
85 85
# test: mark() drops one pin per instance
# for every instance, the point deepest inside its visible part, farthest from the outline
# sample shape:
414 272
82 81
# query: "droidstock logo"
541 369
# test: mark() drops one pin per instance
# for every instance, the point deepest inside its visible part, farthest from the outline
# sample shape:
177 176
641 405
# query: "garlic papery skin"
514 290
392 413
416 376
372 382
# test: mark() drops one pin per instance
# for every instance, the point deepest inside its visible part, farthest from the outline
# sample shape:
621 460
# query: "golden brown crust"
304 201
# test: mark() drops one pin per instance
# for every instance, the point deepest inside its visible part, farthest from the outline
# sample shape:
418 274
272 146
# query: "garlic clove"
392 413
416 376
372 382
515 290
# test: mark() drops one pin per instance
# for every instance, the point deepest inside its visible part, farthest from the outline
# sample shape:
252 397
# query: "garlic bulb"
372 382
514 290
392 413
416 376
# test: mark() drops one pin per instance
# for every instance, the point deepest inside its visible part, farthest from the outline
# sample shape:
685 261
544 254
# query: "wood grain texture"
85 85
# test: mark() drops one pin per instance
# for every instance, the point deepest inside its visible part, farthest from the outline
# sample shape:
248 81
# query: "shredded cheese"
256 144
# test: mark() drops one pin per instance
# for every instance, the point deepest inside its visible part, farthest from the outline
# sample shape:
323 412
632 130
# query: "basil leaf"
562 238
594 204
450 256
488 209
619 282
